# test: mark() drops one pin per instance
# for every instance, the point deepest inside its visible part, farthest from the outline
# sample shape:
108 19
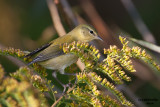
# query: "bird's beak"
98 37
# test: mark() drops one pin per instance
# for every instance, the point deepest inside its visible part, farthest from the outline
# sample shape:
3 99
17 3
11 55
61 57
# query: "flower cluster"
19 93
88 54
1 72
90 94
25 74
110 87
110 66
13 52
117 60
136 52
121 57
20 54
37 79
40 70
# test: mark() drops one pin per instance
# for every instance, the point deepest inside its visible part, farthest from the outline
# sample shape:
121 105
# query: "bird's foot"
65 86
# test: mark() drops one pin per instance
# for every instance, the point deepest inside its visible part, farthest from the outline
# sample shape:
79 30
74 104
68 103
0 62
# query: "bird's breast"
60 62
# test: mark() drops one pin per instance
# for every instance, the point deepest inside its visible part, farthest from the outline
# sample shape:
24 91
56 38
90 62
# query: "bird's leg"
54 74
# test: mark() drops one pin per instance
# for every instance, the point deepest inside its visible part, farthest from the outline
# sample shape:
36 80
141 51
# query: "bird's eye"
91 32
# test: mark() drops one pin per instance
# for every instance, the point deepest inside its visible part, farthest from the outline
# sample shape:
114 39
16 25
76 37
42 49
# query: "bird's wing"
48 53
38 50
50 50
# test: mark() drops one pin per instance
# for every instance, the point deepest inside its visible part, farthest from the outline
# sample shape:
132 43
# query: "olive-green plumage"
51 56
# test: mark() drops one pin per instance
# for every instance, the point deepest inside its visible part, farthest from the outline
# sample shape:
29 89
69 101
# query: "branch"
138 22
56 18
12 59
69 13
98 23
69 90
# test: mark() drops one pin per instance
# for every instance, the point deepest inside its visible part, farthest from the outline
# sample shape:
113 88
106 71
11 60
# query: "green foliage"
85 92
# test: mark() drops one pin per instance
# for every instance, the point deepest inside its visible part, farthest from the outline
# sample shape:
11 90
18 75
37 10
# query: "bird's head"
84 33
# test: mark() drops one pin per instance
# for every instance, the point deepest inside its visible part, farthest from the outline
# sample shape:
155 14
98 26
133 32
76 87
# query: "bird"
51 56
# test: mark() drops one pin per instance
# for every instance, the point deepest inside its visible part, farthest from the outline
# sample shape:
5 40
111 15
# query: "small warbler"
52 57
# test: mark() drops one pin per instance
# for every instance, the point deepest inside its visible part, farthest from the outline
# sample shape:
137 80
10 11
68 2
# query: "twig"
69 90
56 18
98 23
138 22
69 12
56 1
